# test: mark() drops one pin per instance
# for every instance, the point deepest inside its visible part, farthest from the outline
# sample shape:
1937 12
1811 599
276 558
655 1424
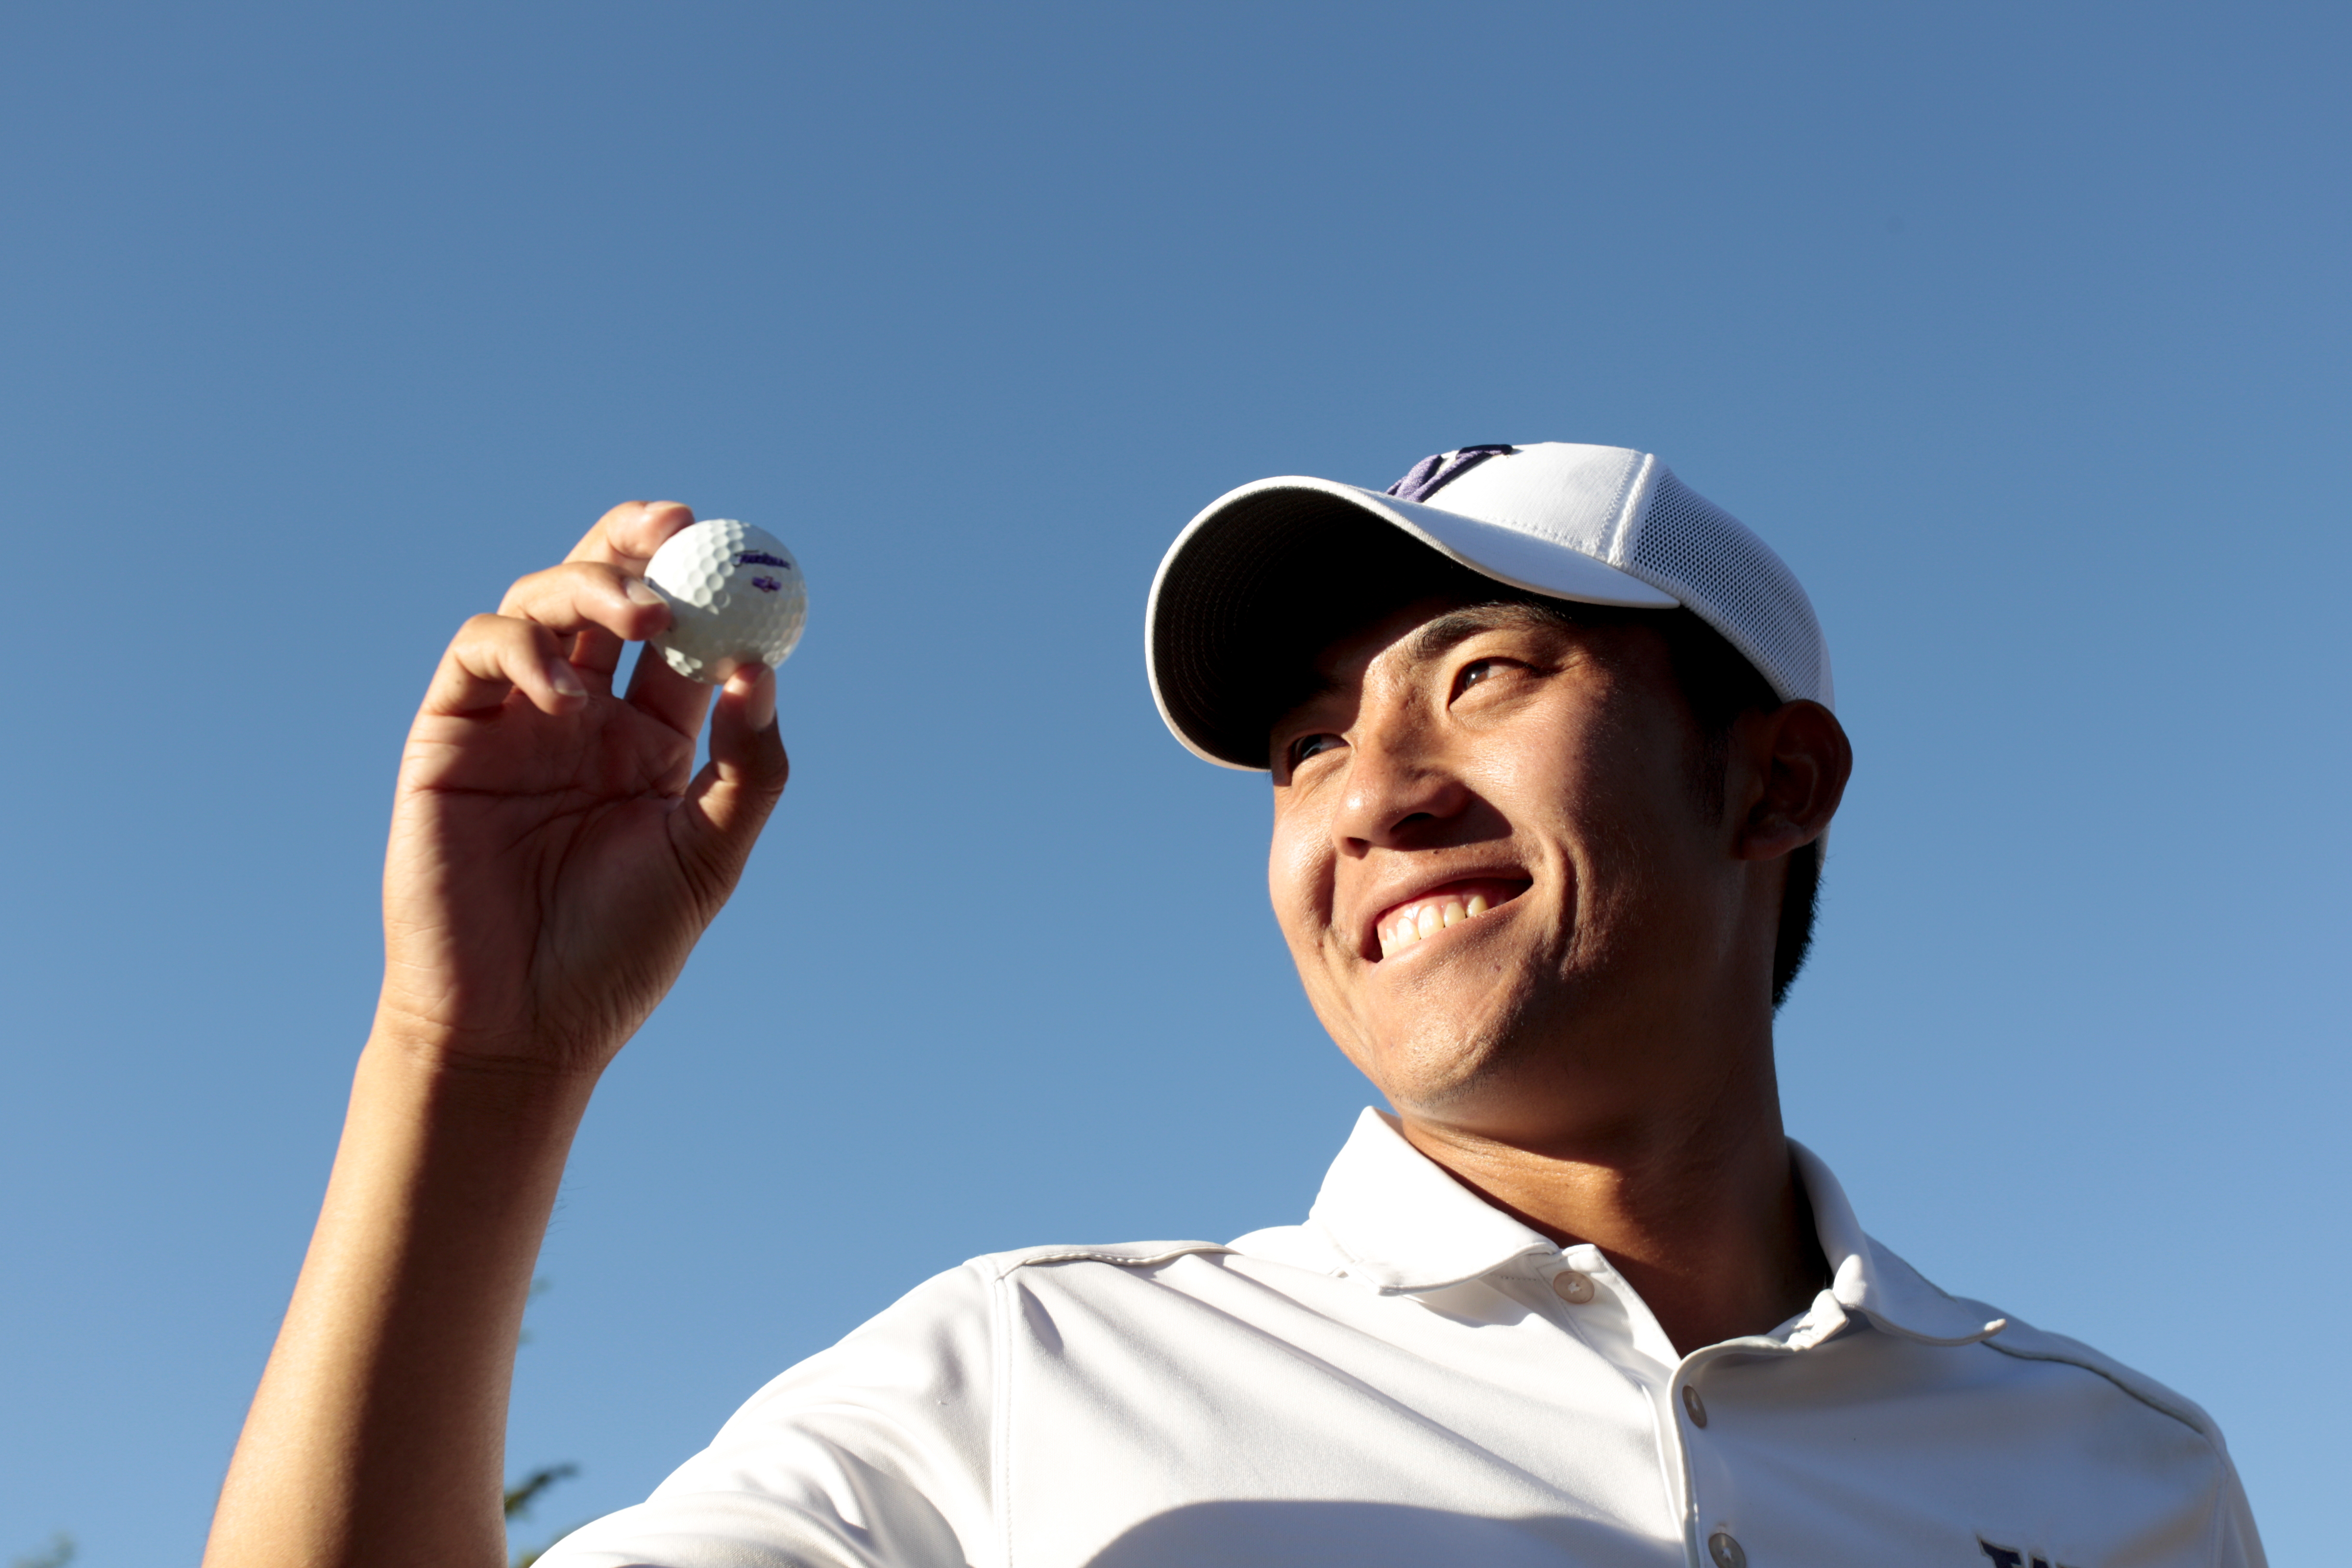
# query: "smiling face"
1509 896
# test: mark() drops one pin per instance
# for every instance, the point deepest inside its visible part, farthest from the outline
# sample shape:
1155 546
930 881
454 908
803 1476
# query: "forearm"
554 854
378 1432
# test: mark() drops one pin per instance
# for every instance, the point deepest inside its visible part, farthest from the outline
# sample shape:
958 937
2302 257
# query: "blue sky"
2019 330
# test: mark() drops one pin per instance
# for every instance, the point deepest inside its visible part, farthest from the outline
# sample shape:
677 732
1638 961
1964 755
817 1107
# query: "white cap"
1599 525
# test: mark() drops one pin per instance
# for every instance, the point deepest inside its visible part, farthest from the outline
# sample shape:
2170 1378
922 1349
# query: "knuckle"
527 590
509 632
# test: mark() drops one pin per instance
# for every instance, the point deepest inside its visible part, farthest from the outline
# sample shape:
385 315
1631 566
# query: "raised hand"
553 856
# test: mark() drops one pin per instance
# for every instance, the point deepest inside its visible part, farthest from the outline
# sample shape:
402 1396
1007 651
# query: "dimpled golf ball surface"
736 597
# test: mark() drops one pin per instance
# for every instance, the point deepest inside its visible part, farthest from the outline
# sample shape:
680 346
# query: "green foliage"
539 1285
521 1494
60 1552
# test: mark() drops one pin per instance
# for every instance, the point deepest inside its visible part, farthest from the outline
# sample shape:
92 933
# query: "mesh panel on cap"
1707 558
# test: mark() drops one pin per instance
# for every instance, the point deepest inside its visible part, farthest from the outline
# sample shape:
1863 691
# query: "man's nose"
1398 794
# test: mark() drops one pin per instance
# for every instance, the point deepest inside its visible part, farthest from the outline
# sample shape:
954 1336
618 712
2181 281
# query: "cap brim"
1267 575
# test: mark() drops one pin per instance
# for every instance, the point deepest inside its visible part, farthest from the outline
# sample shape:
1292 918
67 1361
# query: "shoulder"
1135 1255
2023 1342
950 1308
1905 1301
1287 1247
2115 1426
1996 1398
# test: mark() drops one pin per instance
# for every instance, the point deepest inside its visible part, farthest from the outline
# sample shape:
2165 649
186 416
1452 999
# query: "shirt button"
1696 1409
1726 1550
1574 1288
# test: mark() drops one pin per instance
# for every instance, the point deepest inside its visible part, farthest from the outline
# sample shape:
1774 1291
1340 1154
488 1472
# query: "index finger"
628 535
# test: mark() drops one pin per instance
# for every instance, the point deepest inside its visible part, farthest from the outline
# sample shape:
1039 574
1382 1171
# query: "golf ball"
735 598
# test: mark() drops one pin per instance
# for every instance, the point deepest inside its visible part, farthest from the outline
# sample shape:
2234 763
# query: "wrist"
447 1074
519 1042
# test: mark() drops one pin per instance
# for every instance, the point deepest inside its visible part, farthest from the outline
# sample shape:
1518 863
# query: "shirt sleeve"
874 1454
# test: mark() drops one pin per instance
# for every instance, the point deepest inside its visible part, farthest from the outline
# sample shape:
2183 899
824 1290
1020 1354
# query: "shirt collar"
1406 1226
1865 1278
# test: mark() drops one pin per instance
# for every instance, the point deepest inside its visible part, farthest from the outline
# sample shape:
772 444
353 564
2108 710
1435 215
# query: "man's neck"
1703 1212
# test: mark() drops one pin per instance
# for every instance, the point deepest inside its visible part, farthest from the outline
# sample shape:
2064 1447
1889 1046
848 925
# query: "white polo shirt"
1414 1377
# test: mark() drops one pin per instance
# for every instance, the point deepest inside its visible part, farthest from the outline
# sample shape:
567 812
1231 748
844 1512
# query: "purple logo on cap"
1433 474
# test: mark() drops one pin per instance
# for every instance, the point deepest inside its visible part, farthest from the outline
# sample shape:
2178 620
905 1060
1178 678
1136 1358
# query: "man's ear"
1789 770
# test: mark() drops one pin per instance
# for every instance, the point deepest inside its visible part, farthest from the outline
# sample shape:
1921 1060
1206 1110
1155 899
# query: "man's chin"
1443 1064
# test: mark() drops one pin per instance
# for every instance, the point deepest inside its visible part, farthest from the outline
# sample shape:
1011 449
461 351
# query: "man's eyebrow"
1433 640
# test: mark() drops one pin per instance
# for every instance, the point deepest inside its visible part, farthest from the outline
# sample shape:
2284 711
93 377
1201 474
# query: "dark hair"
1719 684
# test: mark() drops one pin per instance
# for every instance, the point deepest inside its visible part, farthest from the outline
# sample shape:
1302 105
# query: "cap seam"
1631 502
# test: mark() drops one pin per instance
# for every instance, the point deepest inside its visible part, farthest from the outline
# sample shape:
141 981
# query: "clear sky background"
2020 329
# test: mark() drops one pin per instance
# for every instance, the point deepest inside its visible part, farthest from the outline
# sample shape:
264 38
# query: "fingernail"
564 679
641 592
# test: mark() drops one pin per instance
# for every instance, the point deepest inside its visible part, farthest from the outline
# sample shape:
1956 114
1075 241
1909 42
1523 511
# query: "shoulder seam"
2179 1409
1002 1265
2063 1352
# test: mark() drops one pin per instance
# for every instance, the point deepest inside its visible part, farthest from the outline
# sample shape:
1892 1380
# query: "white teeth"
1415 921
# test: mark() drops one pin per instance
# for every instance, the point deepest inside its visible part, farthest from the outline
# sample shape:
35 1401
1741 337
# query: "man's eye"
1306 746
1476 670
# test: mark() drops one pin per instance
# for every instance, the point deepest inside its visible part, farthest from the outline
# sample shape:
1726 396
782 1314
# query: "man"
1552 754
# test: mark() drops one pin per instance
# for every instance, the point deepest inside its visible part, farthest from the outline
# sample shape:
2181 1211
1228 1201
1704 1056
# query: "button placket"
1703 1471
1704 1467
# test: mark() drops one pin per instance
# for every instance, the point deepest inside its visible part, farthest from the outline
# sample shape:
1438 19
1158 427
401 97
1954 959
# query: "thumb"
725 807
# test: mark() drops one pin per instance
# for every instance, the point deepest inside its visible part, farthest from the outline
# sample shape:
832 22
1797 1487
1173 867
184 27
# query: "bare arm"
553 858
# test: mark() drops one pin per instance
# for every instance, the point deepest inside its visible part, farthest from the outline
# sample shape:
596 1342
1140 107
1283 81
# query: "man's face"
1494 872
